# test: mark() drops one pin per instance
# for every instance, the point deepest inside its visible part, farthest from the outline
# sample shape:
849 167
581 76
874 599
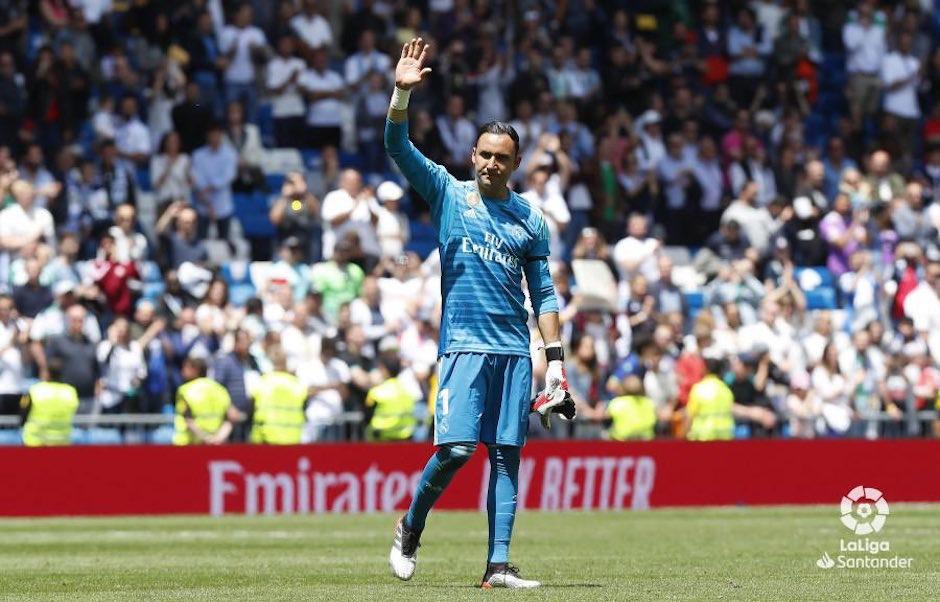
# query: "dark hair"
198 364
500 128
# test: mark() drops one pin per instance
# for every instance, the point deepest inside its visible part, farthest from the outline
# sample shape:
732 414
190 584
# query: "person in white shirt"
132 137
755 220
900 75
365 61
22 225
651 149
864 39
13 338
123 368
545 194
392 226
457 134
753 167
311 28
129 245
241 42
922 306
287 101
342 205
169 172
636 253
213 171
707 171
584 82
325 91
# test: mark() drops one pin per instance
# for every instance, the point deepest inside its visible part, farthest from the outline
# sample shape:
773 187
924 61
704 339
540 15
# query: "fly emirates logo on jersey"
493 248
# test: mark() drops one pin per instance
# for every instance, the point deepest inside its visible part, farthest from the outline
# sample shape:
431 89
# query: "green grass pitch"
694 554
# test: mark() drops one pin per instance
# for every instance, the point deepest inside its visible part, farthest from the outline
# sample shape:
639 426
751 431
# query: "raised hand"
410 70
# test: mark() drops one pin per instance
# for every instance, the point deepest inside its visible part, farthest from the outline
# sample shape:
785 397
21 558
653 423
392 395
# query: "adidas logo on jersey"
470 213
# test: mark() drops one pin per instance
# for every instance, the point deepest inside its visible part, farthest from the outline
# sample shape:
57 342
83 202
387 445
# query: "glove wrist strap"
554 352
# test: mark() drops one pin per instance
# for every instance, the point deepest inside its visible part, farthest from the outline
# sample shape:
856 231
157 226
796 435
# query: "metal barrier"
349 426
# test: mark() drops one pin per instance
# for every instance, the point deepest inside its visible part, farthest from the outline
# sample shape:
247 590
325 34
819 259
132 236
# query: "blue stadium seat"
236 272
153 290
103 436
694 300
251 209
162 435
265 120
311 157
823 297
143 178
239 294
353 160
423 239
742 431
150 272
274 182
10 437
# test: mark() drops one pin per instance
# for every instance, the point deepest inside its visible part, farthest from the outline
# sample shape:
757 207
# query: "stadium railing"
114 429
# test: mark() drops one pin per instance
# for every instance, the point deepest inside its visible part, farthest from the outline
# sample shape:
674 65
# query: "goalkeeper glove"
565 407
556 379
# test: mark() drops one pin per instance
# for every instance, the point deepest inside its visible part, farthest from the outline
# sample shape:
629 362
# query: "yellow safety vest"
52 406
208 403
279 409
394 417
634 417
709 406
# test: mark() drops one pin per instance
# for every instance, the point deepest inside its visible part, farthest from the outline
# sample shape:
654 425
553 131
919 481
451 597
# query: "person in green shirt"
631 415
339 280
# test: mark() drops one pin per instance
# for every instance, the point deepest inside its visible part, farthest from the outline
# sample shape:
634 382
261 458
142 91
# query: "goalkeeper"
488 237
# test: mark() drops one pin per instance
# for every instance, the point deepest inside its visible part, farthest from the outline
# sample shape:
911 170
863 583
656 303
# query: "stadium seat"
143 178
153 290
162 435
347 160
281 160
150 272
822 297
10 437
694 299
252 212
103 436
264 118
274 181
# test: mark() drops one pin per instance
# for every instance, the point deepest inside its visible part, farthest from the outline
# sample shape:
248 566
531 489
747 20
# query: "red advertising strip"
381 477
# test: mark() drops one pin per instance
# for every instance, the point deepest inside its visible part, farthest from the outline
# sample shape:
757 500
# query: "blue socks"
501 499
437 474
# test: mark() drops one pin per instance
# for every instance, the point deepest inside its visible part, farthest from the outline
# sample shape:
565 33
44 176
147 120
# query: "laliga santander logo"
864 510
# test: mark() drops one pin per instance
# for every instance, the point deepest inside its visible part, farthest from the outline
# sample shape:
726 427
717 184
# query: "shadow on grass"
543 586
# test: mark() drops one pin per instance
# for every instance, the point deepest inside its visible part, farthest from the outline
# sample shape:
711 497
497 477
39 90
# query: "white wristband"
400 99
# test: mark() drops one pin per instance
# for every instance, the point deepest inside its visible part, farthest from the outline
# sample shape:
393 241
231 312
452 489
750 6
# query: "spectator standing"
864 38
240 44
123 370
170 172
296 215
458 134
245 139
313 31
287 101
76 355
900 75
14 337
325 90
132 137
213 171
178 229
365 61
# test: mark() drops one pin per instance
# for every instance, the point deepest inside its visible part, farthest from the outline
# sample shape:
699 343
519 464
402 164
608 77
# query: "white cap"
803 207
389 191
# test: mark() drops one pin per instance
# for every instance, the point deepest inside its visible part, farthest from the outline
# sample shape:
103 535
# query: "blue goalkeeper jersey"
485 246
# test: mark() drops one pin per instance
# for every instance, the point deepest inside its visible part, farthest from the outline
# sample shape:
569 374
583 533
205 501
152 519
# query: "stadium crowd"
743 198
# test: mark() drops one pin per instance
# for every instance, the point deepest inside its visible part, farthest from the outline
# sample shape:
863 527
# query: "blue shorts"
483 397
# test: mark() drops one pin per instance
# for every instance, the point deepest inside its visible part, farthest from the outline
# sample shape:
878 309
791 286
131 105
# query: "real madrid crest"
473 198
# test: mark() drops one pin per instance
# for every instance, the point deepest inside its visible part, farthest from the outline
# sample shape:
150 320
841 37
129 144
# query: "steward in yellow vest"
632 415
48 408
391 403
204 411
711 407
279 401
